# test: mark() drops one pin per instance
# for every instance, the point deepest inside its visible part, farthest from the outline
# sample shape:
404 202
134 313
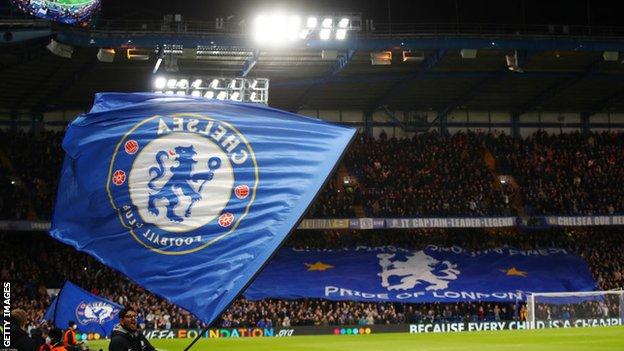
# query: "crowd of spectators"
563 174
427 175
30 166
35 263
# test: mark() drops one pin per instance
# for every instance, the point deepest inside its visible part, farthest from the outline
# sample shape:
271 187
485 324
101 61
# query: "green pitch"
73 2
604 338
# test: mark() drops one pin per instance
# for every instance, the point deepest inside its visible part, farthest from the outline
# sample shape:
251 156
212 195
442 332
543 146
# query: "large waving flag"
186 196
92 314
429 275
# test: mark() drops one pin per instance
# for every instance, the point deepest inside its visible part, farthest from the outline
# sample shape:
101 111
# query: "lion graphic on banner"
418 268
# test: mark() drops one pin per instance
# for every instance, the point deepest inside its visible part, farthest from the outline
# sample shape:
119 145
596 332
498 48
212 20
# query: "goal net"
575 309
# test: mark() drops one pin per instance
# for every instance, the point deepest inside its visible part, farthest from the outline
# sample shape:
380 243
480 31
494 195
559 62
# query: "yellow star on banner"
514 272
318 266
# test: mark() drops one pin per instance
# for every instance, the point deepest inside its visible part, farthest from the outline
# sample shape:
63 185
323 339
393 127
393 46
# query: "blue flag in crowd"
189 197
429 275
92 314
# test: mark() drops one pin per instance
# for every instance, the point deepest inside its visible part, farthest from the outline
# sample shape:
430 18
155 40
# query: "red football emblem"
131 147
241 191
226 219
119 177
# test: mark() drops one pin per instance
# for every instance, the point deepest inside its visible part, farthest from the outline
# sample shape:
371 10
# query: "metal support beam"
250 62
373 78
338 66
424 67
558 87
584 123
392 117
443 125
368 124
523 59
469 94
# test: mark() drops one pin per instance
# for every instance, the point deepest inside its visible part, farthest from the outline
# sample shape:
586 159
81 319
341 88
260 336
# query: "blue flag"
189 197
434 274
92 314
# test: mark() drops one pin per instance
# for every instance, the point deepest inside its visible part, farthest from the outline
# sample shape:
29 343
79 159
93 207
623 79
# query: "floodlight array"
235 89
277 28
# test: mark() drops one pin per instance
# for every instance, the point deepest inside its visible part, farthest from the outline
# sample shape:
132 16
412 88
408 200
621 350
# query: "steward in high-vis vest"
69 337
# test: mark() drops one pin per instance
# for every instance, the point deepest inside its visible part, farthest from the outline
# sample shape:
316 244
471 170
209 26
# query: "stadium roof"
562 71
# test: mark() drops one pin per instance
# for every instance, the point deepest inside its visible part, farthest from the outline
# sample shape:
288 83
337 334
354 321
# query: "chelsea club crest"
182 182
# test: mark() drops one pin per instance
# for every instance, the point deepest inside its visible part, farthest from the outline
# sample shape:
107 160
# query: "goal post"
575 309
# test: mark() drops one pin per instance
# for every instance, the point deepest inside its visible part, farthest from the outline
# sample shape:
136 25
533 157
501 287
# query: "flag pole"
197 338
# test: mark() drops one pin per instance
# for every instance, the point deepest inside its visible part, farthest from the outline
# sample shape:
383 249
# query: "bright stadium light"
325 34
171 83
196 84
292 29
235 96
181 92
182 83
209 94
312 22
196 93
169 92
214 84
304 33
341 34
160 83
278 28
222 95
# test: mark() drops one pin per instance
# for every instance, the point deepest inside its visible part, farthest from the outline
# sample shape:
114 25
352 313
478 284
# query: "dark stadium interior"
442 136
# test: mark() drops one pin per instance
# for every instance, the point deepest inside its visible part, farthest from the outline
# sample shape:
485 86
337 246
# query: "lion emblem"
418 268
99 312
182 179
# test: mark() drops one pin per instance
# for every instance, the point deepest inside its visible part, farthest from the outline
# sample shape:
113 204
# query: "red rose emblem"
226 219
119 177
241 191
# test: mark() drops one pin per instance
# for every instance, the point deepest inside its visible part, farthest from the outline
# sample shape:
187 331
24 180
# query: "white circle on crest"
214 194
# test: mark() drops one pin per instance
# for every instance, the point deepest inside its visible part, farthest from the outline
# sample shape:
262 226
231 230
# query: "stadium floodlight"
277 29
160 83
312 22
182 83
222 88
325 34
304 33
292 29
341 34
